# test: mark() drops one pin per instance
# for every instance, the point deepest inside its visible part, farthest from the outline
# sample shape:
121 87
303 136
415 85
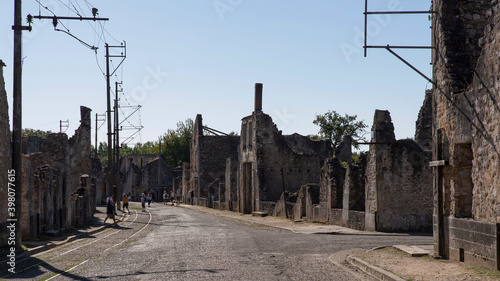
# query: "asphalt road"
168 243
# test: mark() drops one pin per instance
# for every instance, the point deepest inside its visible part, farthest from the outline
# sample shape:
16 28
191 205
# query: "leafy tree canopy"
28 132
333 126
174 146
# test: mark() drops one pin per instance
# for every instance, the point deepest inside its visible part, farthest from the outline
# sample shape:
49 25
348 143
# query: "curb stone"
372 270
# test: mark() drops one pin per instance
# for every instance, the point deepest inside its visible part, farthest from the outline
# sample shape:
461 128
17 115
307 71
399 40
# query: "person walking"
165 197
143 201
149 198
110 209
172 196
125 203
192 197
178 196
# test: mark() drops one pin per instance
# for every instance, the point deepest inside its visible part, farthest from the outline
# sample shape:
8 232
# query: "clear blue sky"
188 57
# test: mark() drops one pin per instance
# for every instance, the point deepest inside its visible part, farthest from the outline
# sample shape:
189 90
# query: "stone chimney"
258 97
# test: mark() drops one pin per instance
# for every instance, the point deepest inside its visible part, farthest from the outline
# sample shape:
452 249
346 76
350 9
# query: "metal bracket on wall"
366 13
389 48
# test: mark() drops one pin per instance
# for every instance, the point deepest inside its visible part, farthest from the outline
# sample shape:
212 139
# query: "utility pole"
110 131
159 166
63 124
117 141
97 119
110 145
17 126
55 22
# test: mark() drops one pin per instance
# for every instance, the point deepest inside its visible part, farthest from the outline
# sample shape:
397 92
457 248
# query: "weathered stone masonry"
466 131
5 156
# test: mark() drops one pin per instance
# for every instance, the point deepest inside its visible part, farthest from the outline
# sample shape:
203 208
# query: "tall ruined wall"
208 160
458 30
231 184
300 158
154 173
466 130
194 155
214 151
46 198
486 148
398 181
5 155
79 150
423 125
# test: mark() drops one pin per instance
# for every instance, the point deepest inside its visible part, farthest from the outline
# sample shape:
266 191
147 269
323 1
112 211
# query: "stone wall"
157 176
6 156
423 125
398 181
51 167
231 184
208 161
275 162
466 129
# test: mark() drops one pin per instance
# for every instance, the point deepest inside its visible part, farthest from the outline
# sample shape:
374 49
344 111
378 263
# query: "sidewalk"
53 239
397 263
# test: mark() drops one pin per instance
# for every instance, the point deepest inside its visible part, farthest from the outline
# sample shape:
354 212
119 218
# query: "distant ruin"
262 171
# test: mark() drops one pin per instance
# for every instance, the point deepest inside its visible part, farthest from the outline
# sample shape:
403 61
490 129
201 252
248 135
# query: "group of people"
110 207
145 197
174 197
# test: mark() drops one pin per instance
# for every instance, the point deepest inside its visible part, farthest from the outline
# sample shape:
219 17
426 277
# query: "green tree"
174 146
102 153
333 126
175 143
28 132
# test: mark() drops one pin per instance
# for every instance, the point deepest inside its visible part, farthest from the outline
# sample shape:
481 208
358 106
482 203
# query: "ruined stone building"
5 156
249 173
207 170
292 176
57 192
465 131
389 189
271 163
146 172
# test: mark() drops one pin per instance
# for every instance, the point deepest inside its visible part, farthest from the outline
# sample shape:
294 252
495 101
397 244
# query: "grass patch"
485 272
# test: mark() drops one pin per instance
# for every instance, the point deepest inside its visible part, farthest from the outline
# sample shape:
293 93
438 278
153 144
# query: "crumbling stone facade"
466 131
208 163
56 191
146 172
271 163
398 181
292 176
6 156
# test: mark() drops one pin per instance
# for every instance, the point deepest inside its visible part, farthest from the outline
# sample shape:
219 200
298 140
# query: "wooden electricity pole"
111 170
17 125
117 144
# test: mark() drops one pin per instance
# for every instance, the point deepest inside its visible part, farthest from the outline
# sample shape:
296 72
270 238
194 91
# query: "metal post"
17 118
95 147
366 25
159 165
110 132
117 150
